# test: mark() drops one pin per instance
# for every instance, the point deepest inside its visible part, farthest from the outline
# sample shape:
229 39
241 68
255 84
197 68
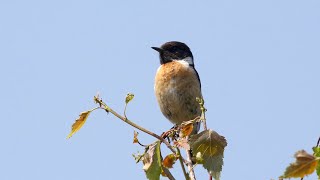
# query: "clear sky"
258 61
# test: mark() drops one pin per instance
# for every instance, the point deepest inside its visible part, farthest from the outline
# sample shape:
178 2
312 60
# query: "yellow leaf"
305 164
135 137
129 97
169 160
79 122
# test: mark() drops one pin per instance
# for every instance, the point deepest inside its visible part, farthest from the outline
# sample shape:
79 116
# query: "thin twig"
190 166
142 144
192 176
124 111
318 142
182 165
203 118
203 112
126 120
168 173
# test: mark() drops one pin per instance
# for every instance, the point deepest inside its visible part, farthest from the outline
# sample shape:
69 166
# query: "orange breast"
176 89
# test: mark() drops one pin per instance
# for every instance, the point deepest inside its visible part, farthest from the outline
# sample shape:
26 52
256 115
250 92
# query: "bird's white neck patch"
186 62
189 60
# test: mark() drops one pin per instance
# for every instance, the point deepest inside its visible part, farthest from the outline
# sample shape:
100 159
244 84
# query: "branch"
182 165
168 174
192 176
188 162
203 112
126 120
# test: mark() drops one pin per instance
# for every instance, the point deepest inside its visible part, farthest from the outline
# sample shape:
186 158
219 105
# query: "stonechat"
177 83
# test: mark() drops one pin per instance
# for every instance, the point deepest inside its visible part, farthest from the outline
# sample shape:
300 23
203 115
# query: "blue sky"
258 62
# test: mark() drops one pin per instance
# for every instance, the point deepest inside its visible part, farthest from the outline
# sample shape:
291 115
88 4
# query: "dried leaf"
305 164
135 137
183 142
169 160
152 162
129 97
211 146
79 122
186 130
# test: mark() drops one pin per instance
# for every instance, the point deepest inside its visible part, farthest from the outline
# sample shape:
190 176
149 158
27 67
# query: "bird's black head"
174 50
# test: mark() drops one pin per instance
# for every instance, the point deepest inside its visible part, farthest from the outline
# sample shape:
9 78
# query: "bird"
177 84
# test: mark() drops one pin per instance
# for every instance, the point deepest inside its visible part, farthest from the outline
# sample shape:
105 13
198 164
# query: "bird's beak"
157 49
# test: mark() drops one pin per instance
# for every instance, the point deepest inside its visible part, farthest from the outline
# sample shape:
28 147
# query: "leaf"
169 160
316 151
305 164
186 130
137 157
199 158
183 142
152 162
129 97
318 170
79 122
201 103
211 146
135 137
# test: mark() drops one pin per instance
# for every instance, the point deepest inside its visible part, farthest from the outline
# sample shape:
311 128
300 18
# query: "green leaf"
152 162
210 146
316 151
129 97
